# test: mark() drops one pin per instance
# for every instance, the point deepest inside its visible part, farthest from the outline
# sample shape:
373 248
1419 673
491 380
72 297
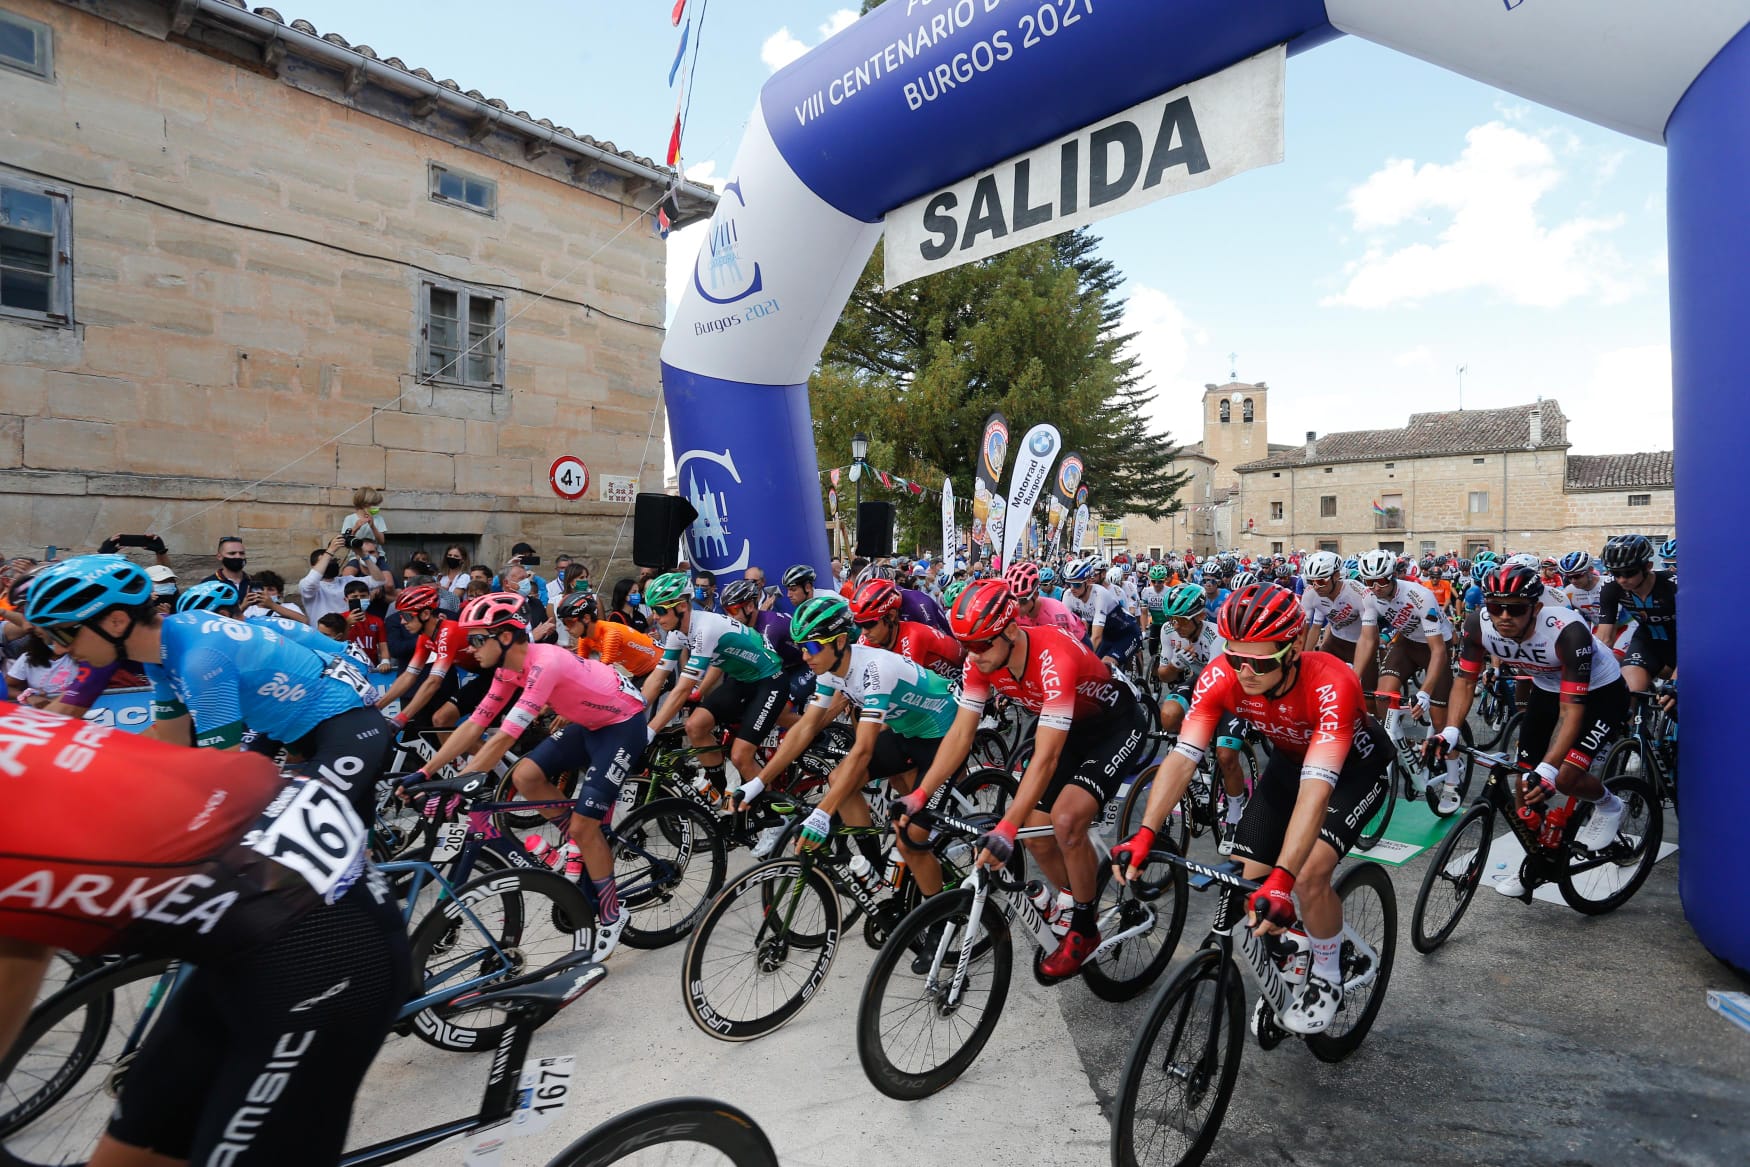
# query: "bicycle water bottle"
895 867
1041 897
1553 823
1532 819
864 871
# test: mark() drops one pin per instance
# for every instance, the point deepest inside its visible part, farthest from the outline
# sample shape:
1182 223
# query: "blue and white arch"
837 142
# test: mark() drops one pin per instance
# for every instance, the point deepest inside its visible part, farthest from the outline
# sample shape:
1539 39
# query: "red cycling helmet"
1263 613
1023 580
498 610
982 610
875 599
1513 582
419 599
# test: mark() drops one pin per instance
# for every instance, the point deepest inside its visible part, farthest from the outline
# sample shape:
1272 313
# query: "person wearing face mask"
453 576
366 520
322 589
627 607
515 579
232 559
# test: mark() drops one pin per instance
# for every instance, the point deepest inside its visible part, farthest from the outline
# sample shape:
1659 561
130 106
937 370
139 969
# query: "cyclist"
604 738
1580 580
738 677
619 645
1340 617
1112 634
1048 586
916 606
299 955
1577 705
1193 644
220 598
1153 597
876 609
214 680
1324 779
1091 728
1667 553
1033 608
1648 597
741 600
798 581
440 648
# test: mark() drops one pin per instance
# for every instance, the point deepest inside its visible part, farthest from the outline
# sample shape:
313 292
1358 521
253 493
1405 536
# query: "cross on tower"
1233 366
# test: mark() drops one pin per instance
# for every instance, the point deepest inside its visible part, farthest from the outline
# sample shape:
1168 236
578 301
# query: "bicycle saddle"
466 784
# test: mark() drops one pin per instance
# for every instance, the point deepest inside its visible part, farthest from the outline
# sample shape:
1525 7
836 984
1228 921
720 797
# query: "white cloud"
1627 403
783 46
1419 357
1494 239
1163 345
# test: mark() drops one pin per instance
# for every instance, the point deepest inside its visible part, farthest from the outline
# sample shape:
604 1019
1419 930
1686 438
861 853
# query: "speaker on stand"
875 529
658 522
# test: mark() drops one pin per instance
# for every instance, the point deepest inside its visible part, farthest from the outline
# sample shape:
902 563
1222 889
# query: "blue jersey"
302 634
230 675
1473 596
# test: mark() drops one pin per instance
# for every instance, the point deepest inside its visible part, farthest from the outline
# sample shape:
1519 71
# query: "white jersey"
1189 656
1345 613
1411 610
1585 600
1559 654
1101 603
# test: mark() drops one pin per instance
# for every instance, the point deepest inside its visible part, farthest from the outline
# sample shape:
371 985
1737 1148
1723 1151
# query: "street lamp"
859 452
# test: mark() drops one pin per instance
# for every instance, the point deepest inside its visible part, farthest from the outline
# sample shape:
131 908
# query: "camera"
529 560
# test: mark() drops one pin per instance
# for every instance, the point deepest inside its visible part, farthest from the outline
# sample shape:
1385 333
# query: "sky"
1420 223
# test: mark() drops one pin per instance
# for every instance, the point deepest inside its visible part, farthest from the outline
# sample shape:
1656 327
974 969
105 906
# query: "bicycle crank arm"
1139 929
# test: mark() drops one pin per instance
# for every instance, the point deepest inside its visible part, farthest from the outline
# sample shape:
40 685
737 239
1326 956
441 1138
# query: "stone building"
246 268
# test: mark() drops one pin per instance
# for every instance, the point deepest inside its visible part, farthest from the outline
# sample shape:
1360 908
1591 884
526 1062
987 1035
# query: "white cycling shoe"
607 936
768 839
1449 800
1511 886
1226 846
1599 831
1314 1009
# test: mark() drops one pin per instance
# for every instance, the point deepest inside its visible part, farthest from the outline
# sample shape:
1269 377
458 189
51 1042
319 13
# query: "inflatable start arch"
921 94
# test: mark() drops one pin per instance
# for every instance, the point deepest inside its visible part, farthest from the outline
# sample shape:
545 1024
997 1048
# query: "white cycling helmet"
1321 565
1078 571
1524 559
1376 565
1115 577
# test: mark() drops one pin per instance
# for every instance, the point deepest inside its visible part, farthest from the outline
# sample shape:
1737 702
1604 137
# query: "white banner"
1033 464
1186 139
1075 542
949 542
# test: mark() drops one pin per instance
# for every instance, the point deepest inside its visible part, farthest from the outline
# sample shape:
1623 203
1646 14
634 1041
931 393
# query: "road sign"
569 476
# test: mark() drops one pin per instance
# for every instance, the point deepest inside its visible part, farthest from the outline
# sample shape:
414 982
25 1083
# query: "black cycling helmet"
579 606
1627 552
799 576
742 591
1512 581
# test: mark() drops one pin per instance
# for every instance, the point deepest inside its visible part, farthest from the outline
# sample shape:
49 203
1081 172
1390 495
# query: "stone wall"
247 263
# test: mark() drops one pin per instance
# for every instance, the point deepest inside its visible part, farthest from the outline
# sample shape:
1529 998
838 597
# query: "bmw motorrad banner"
1063 493
1186 139
1032 471
949 542
987 504
1081 530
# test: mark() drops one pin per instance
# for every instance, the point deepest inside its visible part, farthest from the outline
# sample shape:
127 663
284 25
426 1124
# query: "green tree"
1036 333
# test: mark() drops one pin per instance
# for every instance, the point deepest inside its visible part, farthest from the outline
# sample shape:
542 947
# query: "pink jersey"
583 692
1051 613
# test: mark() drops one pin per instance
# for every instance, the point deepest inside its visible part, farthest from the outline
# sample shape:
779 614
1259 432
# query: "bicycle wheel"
761 950
1177 827
493 928
1126 969
988 790
1180 1072
669 862
1596 884
1374 829
674 1131
1452 879
1370 912
1437 781
1624 759
989 751
917 1032
60 1080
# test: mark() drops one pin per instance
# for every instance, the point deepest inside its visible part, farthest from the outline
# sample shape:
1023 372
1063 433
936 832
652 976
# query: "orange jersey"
1442 590
623 645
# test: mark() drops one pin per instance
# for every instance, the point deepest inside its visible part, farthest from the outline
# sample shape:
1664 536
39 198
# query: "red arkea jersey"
1063 682
928 648
444 651
1316 721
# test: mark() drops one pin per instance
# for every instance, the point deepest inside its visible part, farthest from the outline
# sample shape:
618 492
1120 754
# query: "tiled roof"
1615 471
1459 431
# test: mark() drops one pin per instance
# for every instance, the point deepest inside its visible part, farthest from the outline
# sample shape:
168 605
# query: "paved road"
1536 1036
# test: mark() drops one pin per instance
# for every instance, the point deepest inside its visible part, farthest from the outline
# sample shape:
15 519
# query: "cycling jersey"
1099 608
1345 614
622 645
1559 654
230 675
1063 682
1316 721
1190 656
716 640
583 692
1050 613
188 853
775 627
299 634
1154 600
1586 600
446 650
922 608
1656 614
1554 597
927 648
1410 611
891 690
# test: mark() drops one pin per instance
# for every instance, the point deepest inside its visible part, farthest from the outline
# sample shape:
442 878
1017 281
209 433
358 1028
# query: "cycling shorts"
446 693
799 687
1343 650
751 706
1643 652
1360 788
602 757
1408 657
257 1059
348 752
1607 711
1098 755
895 754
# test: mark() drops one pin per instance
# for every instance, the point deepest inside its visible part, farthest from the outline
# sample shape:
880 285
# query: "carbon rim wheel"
1595 884
669 862
1370 911
673 1131
1451 881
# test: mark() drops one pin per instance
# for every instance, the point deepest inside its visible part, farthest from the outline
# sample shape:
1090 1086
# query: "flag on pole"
679 54
680 6
1379 510
674 137
834 475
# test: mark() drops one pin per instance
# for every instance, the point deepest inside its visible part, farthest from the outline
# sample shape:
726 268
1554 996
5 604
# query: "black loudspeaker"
875 529
658 521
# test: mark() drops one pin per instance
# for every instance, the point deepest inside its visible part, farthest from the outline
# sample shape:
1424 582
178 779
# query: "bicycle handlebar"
941 820
1493 760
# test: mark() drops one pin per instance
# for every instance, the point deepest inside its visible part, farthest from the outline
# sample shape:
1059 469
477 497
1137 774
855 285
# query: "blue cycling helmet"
1481 567
1668 550
1047 575
84 588
207 597
1078 571
1351 562
1574 562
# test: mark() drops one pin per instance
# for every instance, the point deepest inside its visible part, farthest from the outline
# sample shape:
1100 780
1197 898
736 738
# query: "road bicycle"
1179 1077
1407 728
1497 713
1203 809
937 988
1592 882
1649 751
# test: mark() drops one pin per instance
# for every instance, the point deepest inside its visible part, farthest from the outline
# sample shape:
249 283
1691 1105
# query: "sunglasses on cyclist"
479 638
1513 610
977 647
62 634
1260 665
1631 573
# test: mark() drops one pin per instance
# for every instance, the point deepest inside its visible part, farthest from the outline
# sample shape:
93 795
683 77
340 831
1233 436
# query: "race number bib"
311 830
450 838
349 674
544 1091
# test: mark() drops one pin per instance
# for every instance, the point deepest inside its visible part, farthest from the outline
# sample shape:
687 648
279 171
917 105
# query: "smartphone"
49 555
358 604
531 561
134 541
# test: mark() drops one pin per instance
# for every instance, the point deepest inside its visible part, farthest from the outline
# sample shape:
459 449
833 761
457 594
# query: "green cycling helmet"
1183 601
953 590
665 591
1158 571
821 618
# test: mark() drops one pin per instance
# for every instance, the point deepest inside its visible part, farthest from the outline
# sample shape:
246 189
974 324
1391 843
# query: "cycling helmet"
1513 581
84 588
1487 557
875 571
1376 565
1114 577
875 599
821 618
1523 559
665 591
1482 568
1668 550
1350 562
494 611
1047 575
1411 572
1158 571
207 597
742 591
1320 565
579 606
1183 601
1244 579
1285 571
952 592
419 599
1627 552
1261 612
982 611
1078 571
799 576
1023 580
